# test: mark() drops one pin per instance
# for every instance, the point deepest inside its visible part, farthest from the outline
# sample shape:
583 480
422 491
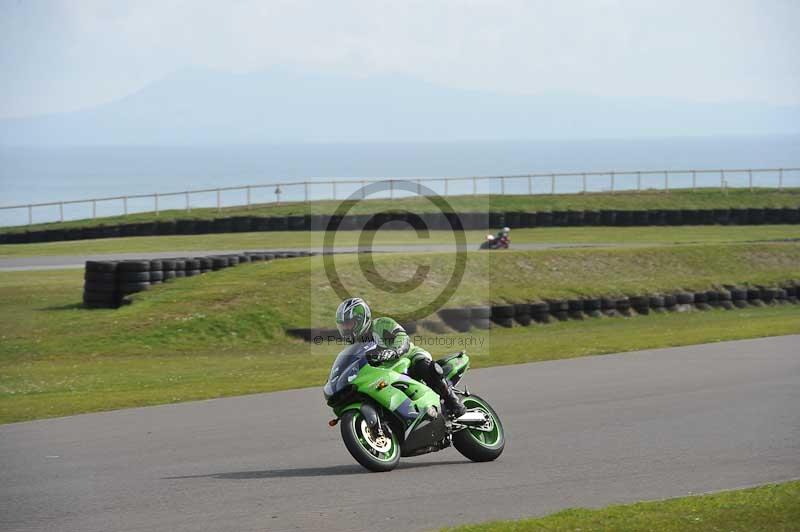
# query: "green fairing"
390 397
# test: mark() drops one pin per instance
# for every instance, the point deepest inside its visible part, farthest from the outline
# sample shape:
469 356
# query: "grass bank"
675 199
771 508
703 234
222 333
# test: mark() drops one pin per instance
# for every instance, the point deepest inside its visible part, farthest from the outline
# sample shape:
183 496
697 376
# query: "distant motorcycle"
492 242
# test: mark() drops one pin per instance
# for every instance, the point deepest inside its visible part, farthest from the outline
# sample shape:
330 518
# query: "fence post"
419 188
722 179
248 196
503 186
666 181
694 180
219 201
552 183
155 202
333 189
305 190
186 195
639 181
750 179
125 205
446 188
612 182
61 211
391 189
30 214
474 186
94 209
363 189
780 178
583 183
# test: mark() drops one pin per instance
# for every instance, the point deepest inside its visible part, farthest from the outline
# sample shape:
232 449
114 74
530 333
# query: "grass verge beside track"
302 239
770 508
222 333
675 199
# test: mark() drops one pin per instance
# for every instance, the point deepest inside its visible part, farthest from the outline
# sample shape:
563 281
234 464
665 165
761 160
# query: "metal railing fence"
534 183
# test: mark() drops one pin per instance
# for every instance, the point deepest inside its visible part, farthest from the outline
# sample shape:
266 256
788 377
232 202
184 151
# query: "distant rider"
501 239
355 324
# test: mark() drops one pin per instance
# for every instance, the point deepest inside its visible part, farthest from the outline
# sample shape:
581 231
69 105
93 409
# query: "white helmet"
506 229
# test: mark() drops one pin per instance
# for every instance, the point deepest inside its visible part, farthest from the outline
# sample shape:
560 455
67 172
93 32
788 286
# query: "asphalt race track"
582 432
54 262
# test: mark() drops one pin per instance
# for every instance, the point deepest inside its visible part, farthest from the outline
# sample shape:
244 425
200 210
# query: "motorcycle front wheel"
480 444
376 453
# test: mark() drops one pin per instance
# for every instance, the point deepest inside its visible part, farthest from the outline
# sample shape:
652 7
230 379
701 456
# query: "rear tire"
477 445
361 448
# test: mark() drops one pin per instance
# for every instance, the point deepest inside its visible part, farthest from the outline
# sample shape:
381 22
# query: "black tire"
101 266
591 304
434 326
169 275
192 273
100 277
132 277
656 301
502 311
217 263
99 286
454 314
523 319
684 298
156 265
354 440
481 323
134 266
504 322
481 312
180 273
132 288
467 441
156 276
100 297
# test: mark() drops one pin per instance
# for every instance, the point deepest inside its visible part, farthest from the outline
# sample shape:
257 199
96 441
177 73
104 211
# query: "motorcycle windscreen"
346 366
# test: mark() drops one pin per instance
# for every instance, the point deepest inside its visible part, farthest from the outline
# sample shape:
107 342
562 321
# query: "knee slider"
436 371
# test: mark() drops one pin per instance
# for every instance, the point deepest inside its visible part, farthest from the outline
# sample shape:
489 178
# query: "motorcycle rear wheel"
480 445
375 455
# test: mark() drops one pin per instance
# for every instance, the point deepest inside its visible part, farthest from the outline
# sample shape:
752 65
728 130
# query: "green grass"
222 333
675 199
294 239
770 508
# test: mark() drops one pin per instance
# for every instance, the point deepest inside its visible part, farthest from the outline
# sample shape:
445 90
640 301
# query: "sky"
64 55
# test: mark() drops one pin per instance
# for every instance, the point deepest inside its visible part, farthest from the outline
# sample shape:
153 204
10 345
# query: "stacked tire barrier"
107 283
464 319
399 220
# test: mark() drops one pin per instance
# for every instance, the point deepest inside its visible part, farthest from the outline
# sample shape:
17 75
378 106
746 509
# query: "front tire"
480 445
373 453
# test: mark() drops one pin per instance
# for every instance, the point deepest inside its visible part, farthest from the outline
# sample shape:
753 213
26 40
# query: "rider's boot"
431 374
452 402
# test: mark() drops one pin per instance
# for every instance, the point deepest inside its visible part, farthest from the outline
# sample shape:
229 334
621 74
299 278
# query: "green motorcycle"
385 414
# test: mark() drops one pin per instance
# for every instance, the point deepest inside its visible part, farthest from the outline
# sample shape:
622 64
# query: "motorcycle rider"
355 324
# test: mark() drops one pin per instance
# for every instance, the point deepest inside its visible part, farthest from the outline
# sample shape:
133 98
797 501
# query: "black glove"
381 355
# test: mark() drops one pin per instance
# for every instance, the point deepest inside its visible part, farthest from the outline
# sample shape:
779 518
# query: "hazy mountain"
208 107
